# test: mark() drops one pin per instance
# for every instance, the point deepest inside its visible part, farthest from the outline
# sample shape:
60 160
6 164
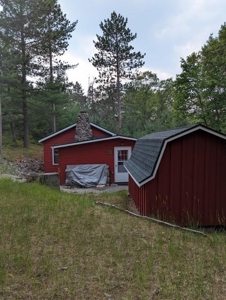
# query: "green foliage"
115 61
200 88
20 37
102 107
32 80
56 32
147 105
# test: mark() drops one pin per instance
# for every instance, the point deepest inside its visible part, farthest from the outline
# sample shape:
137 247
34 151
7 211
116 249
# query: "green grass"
55 245
15 151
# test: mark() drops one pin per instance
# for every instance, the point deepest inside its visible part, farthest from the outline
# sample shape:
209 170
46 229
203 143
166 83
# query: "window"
122 157
55 156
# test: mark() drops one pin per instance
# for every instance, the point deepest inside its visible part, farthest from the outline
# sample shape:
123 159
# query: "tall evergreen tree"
19 23
34 32
56 32
115 60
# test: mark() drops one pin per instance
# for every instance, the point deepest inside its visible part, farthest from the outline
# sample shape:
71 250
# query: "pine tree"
19 23
115 60
56 33
34 32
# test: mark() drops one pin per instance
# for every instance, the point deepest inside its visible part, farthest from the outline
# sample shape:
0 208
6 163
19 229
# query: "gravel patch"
7 167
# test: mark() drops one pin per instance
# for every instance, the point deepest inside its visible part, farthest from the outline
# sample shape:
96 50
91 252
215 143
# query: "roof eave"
93 141
74 125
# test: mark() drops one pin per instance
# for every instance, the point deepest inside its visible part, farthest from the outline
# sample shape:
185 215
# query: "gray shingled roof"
146 153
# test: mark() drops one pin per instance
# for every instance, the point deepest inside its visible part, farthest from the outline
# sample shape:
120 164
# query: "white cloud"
160 74
191 13
85 45
187 49
84 72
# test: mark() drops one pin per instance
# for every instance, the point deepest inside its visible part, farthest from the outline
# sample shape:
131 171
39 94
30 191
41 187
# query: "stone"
83 128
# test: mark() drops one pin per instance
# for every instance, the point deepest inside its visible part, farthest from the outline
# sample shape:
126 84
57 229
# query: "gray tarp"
86 175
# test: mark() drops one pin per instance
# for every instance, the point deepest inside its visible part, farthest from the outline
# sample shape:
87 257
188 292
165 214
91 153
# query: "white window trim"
53 156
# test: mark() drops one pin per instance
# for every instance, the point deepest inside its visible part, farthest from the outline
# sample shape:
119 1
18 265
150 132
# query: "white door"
121 154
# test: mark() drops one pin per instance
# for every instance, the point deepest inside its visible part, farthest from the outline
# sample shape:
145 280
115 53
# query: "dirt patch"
22 167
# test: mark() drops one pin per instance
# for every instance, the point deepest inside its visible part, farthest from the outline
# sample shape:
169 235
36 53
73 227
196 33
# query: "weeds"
56 245
14 151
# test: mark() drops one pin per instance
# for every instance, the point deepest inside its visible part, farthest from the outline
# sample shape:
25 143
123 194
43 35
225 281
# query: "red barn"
179 175
87 143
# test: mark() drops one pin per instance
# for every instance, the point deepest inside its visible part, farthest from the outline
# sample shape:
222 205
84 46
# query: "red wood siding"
98 132
189 187
65 137
62 138
93 153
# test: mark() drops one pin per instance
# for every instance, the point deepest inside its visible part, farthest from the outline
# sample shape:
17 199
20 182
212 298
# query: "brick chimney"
83 131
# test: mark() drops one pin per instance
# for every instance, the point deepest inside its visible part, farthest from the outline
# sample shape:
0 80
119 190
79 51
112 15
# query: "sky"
167 30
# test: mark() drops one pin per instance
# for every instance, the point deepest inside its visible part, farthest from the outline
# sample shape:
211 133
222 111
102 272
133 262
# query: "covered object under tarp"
89 175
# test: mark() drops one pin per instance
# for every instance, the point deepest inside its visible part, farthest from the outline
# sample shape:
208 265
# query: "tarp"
89 175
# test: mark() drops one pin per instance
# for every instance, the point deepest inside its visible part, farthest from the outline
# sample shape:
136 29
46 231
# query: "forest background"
37 98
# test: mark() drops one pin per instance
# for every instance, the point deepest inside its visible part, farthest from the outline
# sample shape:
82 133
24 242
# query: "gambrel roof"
148 151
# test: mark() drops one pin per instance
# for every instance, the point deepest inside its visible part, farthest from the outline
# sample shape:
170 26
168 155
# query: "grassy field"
55 245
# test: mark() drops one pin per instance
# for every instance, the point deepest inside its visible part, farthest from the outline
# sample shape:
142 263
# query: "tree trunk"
0 127
25 121
53 118
119 106
24 93
51 81
13 135
202 108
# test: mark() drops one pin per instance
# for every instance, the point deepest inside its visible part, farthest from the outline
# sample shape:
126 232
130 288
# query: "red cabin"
179 175
100 146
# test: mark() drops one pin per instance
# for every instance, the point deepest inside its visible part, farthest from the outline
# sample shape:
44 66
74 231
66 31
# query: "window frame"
55 156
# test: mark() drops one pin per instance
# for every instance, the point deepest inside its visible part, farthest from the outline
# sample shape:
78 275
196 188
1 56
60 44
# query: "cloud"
186 29
84 72
187 49
187 17
160 74
167 31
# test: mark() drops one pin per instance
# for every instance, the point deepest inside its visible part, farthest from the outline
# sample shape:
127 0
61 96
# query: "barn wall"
63 138
189 187
101 152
